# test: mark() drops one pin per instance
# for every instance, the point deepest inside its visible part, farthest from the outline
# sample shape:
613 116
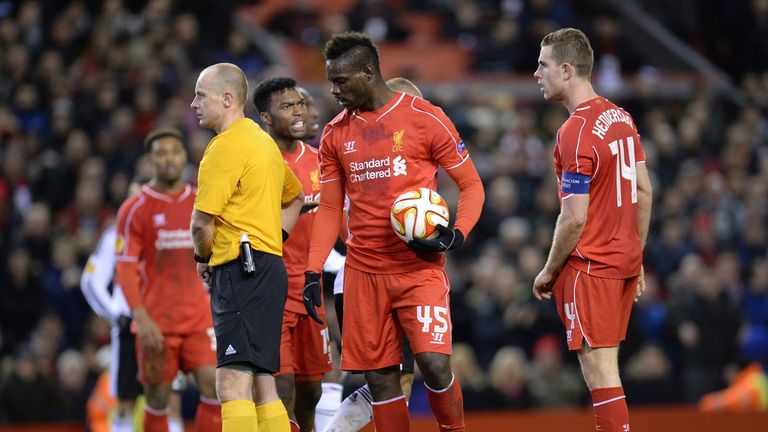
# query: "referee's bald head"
227 77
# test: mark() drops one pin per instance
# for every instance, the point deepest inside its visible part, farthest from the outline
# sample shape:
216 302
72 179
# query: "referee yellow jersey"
243 181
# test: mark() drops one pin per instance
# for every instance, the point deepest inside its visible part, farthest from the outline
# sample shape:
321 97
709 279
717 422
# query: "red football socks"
155 420
208 415
391 415
448 406
611 413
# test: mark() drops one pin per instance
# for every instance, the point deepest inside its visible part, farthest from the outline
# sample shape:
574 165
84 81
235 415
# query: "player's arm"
292 202
644 204
327 221
325 230
449 151
471 196
217 178
201 228
570 224
128 274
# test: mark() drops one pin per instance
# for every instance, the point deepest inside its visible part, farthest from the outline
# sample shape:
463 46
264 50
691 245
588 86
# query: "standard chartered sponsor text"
367 167
368 164
173 239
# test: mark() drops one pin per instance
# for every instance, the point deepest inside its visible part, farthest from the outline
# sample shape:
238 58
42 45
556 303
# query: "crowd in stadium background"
82 83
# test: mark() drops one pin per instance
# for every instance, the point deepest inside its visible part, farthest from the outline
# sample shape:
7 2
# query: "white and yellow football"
417 212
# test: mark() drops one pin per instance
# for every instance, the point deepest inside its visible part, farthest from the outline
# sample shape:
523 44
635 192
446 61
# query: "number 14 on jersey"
625 169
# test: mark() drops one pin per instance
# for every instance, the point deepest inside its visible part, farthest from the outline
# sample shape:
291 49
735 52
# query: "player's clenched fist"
312 294
542 285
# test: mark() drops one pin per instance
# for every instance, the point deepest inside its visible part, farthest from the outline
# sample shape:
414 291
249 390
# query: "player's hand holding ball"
420 218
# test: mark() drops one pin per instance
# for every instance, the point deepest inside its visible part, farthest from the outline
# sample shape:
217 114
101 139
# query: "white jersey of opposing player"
97 277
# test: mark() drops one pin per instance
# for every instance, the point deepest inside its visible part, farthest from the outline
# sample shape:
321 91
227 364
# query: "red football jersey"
378 155
599 143
153 229
303 161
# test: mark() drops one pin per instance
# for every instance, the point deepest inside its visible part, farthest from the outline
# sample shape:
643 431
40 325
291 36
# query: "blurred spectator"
647 377
61 282
704 321
548 371
28 396
507 375
474 382
755 335
377 19
73 380
21 298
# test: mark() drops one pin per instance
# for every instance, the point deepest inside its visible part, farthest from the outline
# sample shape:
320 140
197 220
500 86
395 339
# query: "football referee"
246 194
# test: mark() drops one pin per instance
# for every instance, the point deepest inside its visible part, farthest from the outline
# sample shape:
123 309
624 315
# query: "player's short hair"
570 45
357 46
262 95
404 85
162 132
229 77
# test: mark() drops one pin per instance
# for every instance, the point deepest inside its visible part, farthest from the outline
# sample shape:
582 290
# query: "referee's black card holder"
246 254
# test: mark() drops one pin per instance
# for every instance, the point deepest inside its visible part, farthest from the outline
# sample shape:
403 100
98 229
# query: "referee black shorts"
126 370
247 313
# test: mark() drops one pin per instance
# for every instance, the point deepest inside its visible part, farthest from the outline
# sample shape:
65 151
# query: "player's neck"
168 188
581 93
287 144
380 96
228 119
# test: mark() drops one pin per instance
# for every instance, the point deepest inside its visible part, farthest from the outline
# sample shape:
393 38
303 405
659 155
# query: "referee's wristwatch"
202 260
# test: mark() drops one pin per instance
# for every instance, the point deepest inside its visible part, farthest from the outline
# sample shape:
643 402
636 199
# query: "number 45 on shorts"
428 314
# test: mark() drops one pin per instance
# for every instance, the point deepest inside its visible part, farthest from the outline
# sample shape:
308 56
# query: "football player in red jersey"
305 353
594 269
169 303
383 144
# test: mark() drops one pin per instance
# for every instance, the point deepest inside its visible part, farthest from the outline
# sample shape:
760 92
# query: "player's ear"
368 71
227 98
266 118
567 71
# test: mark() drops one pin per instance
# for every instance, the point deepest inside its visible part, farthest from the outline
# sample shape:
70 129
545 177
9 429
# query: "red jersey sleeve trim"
464 159
400 99
597 156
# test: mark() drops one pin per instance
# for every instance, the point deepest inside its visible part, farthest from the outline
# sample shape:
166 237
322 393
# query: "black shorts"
126 368
247 313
